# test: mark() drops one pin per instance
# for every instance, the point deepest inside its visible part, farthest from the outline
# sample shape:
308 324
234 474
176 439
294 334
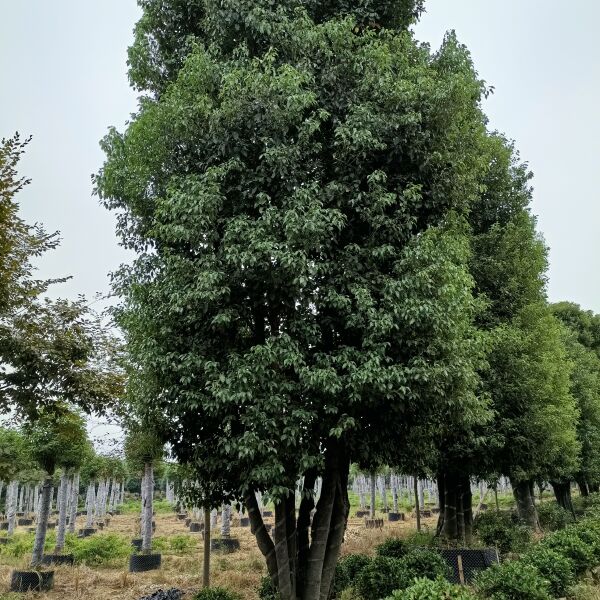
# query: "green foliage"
503 530
426 563
392 547
267 591
439 589
381 576
513 580
556 568
569 544
101 549
215 594
57 437
346 571
182 544
142 445
553 516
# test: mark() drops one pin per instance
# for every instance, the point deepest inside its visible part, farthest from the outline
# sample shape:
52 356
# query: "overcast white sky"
63 80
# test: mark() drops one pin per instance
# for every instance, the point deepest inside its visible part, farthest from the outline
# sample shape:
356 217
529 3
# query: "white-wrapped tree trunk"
90 504
74 502
147 508
226 520
11 506
394 486
373 496
61 530
213 518
36 500
42 525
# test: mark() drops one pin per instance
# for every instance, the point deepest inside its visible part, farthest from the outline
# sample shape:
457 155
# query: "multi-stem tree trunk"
147 508
562 493
74 502
62 513
301 557
525 503
42 524
455 522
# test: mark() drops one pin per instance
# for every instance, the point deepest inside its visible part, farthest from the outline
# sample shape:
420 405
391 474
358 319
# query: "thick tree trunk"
206 561
584 489
467 510
42 525
441 504
147 508
303 570
74 502
525 503
62 514
417 507
562 493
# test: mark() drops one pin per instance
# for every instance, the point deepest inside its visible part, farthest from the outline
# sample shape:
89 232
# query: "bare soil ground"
240 572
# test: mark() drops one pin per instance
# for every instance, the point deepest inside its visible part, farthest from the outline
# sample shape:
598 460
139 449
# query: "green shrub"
160 543
553 517
392 547
421 539
346 571
19 545
422 562
381 576
512 580
182 544
588 530
503 530
101 549
215 593
556 568
426 589
569 544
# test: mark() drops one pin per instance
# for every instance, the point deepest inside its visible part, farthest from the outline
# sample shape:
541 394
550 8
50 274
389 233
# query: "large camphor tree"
293 183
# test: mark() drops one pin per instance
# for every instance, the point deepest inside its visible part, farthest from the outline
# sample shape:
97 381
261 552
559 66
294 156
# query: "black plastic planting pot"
267 513
3 525
394 516
225 545
51 525
466 563
137 543
362 513
188 520
182 516
196 527
37 581
244 522
426 514
58 559
25 522
374 523
138 563
87 531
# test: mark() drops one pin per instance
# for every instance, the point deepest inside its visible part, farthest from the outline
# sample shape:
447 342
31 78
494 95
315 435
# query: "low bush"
503 530
392 547
101 549
422 562
421 539
567 543
556 568
19 545
513 580
553 517
346 572
426 589
588 530
381 576
215 593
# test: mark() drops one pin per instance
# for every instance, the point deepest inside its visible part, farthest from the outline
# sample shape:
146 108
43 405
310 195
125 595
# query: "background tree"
54 438
144 448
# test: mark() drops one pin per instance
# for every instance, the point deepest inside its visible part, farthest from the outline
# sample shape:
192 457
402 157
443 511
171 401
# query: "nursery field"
102 572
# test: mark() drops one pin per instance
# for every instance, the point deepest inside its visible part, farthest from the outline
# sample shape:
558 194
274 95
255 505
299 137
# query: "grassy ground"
240 572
